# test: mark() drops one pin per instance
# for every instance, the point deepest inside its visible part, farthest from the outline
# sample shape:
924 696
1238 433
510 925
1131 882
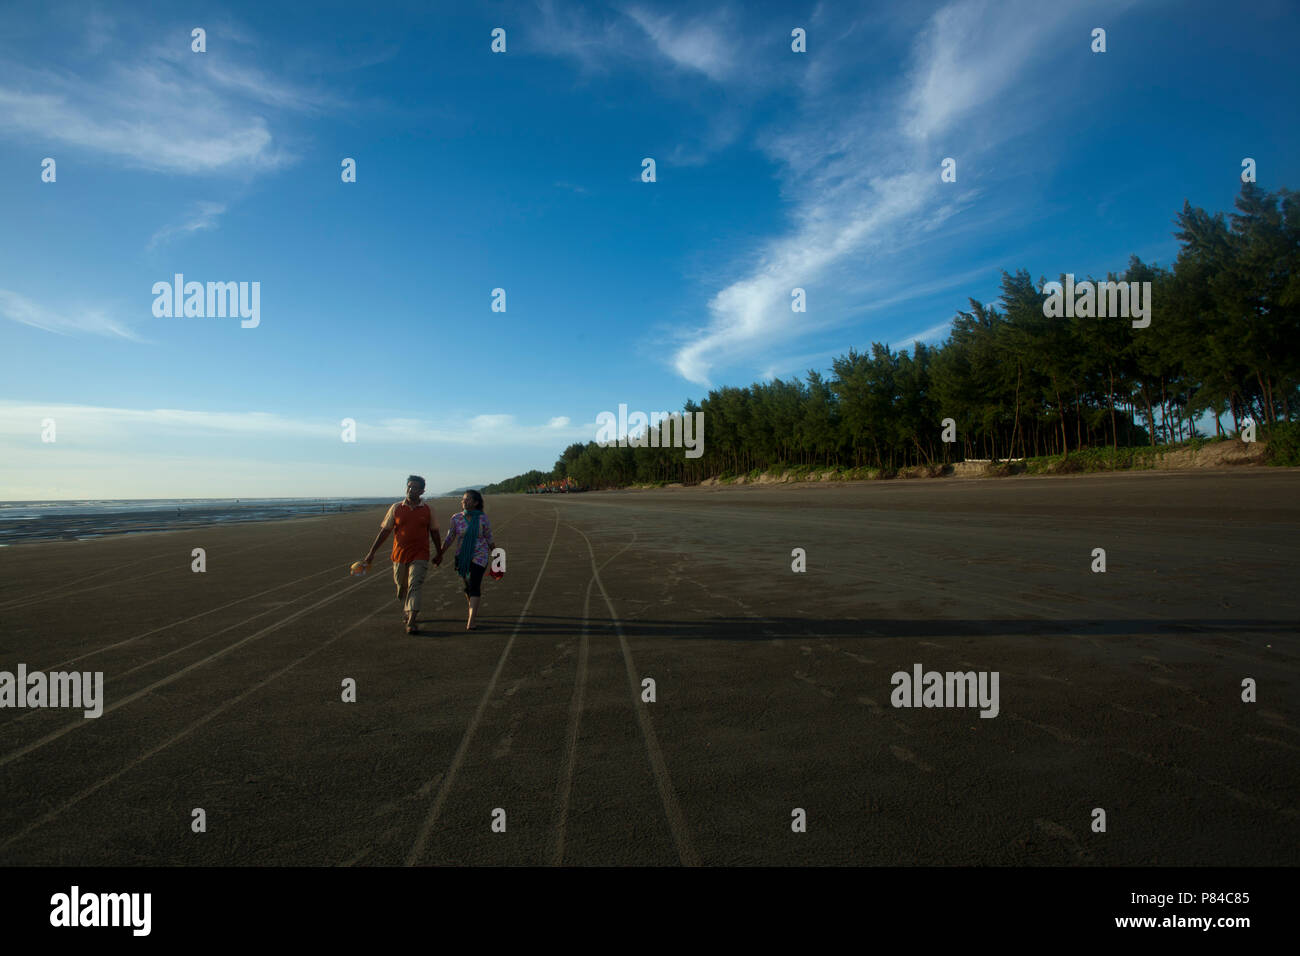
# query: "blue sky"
522 171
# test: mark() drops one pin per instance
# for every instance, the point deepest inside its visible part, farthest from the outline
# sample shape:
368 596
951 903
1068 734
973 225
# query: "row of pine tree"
1223 342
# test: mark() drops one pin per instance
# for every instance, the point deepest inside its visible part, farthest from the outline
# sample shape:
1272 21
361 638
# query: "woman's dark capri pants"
474 580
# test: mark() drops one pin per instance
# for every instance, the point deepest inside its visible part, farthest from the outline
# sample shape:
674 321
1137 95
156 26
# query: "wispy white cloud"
863 181
926 337
491 422
703 44
142 117
797 365
699 44
754 313
970 53
246 82
567 30
257 85
68 321
160 107
725 126
680 49
202 218
104 424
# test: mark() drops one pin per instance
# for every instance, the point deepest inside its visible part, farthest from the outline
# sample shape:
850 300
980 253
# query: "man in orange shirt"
412 523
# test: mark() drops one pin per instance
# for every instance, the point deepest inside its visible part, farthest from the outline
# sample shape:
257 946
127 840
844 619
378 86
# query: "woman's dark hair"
475 499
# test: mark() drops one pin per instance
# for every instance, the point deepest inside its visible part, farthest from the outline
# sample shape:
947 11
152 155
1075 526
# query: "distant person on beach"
412 524
472 527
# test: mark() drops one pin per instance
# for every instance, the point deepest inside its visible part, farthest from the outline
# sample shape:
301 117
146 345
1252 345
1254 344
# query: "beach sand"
1119 691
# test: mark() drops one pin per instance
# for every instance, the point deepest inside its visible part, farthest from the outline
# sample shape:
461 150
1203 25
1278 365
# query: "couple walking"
413 524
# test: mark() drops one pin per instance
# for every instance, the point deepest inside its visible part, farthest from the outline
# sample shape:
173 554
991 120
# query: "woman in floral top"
475 552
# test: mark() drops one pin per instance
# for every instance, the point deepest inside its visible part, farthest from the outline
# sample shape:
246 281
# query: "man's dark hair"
475 499
418 480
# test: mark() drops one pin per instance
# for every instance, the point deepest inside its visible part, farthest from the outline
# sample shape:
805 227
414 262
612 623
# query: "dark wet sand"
1119 691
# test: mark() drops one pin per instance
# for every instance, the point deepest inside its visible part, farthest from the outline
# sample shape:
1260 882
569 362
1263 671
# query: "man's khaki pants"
409 578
